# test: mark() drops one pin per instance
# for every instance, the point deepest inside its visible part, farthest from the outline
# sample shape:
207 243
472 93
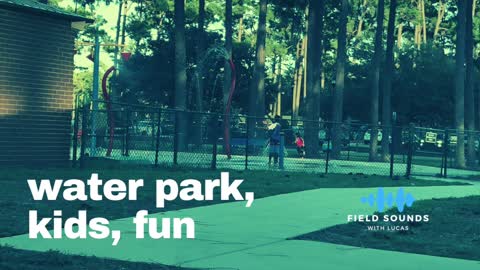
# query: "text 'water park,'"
239 134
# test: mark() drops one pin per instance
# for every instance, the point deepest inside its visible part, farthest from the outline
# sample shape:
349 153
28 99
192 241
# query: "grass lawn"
453 230
15 201
14 259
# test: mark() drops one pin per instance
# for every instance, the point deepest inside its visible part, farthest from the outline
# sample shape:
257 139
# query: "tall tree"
257 90
305 55
124 22
260 58
117 33
340 79
387 79
117 48
228 48
200 51
314 74
363 12
440 15
460 84
278 78
297 79
180 74
469 95
424 23
240 23
377 62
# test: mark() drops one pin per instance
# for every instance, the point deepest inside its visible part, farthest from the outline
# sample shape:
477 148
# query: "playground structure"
95 57
111 120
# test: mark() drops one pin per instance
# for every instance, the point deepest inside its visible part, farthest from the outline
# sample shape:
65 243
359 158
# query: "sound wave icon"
401 199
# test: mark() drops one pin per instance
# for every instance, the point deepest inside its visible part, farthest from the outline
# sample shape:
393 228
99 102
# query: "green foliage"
417 95
422 78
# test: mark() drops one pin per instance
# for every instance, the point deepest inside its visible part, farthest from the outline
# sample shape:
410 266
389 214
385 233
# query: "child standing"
300 143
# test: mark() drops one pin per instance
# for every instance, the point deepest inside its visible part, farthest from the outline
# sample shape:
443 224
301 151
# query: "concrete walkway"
230 236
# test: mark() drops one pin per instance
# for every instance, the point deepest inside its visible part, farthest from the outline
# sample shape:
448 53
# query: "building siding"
36 87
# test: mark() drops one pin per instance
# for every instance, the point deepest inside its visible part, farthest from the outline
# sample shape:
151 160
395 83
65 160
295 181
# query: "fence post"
411 138
153 128
157 142
127 134
175 140
281 153
122 139
246 144
392 144
75 138
348 141
446 148
83 137
213 166
442 167
93 127
328 133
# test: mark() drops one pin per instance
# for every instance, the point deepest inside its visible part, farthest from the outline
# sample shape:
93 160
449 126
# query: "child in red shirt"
299 142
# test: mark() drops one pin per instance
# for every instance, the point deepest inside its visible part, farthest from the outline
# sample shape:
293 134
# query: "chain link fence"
163 137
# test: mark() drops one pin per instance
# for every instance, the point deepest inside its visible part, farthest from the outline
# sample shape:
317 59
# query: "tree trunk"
314 75
180 75
228 47
295 81
240 24
279 87
115 94
362 16
273 106
117 34
257 93
340 80
305 57
240 29
300 78
400 35
460 84
305 67
469 95
422 3
199 71
440 14
388 77
418 26
377 62
200 52
124 23
416 38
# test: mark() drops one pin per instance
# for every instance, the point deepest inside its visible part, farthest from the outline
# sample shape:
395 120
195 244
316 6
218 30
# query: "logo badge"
401 200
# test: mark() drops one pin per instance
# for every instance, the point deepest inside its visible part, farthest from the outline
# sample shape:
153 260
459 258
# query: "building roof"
37 7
